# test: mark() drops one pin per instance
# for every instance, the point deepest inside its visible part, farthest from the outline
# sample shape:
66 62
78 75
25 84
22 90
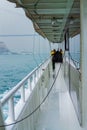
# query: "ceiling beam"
46 5
54 11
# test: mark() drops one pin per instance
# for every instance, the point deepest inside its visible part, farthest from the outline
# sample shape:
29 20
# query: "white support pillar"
29 85
11 109
1 119
83 13
65 64
22 94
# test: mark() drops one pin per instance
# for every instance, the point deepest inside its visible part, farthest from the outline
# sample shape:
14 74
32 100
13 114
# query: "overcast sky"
14 22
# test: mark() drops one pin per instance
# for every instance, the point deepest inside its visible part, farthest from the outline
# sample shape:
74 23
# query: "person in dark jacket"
53 52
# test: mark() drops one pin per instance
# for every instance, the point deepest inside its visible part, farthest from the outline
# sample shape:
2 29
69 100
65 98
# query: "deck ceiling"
52 17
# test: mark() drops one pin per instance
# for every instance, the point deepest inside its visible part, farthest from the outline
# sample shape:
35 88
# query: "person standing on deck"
53 52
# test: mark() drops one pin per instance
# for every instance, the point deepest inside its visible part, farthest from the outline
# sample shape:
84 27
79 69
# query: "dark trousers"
53 64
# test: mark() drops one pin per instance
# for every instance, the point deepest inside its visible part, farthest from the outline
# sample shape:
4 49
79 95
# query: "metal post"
29 85
23 94
83 16
1 119
11 109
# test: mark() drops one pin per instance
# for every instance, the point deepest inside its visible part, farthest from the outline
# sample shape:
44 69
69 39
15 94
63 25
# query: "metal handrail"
35 74
15 88
75 62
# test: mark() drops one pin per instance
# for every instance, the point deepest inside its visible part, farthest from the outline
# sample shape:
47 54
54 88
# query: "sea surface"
13 68
76 56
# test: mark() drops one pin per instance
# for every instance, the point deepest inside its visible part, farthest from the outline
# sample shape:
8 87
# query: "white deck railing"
25 88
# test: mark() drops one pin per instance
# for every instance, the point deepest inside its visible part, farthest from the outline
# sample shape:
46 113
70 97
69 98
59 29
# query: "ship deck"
58 113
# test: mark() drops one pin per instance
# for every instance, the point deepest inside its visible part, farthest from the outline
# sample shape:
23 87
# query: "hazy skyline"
13 22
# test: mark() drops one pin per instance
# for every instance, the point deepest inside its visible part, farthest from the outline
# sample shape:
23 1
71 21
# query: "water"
75 56
14 68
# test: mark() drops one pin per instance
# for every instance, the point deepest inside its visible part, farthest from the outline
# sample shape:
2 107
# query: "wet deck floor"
58 112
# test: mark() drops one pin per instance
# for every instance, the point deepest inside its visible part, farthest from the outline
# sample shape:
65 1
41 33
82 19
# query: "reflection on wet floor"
58 112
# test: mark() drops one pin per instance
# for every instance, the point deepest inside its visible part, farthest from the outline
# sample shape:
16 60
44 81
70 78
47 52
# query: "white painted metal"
31 98
58 112
23 94
83 10
11 109
29 85
65 64
34 97
1 119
